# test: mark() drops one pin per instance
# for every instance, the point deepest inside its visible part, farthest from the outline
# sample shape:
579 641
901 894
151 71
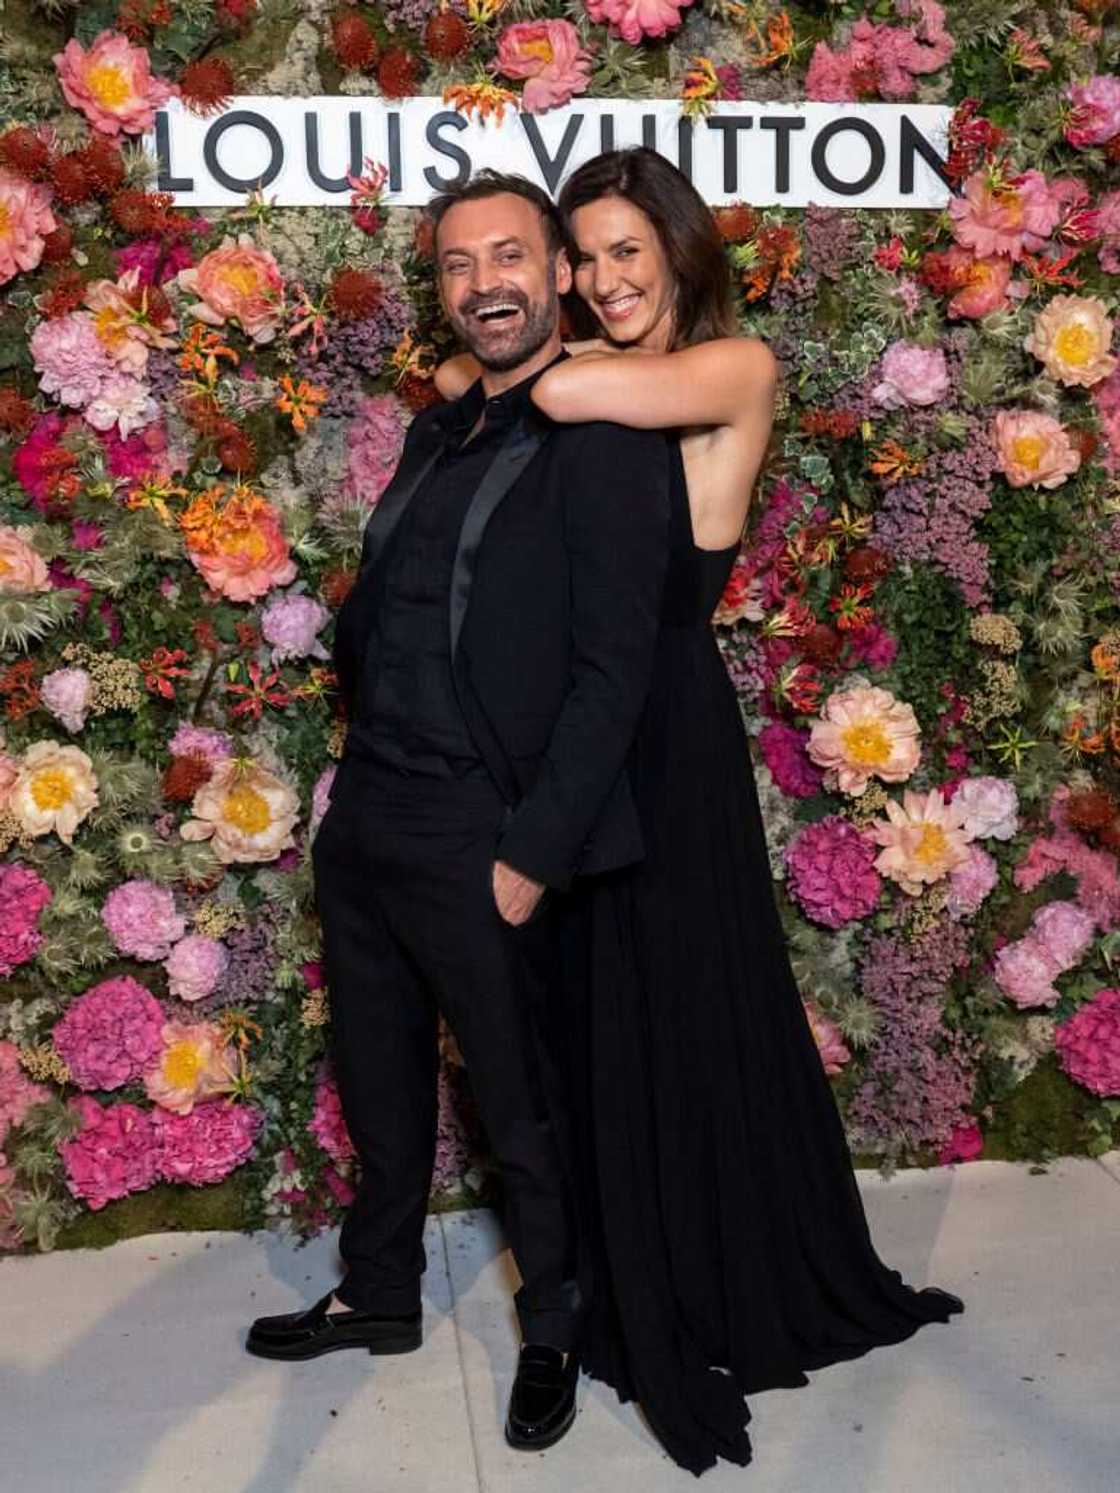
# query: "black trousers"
403 867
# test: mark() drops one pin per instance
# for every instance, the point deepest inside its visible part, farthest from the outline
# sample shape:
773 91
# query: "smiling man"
494 654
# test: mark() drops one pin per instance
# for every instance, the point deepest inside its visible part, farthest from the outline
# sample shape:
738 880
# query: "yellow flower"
863 733
245 811
1071 337
195 1064
55 790
922 839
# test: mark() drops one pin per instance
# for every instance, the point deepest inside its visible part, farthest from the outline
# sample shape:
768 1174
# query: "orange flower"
892 462
1105 658
485 99
301 401
699 88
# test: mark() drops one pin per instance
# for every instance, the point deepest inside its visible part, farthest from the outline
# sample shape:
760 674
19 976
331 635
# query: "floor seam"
1109 1173
478 1478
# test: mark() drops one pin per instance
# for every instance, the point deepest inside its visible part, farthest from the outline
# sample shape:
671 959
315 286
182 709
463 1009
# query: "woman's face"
622 273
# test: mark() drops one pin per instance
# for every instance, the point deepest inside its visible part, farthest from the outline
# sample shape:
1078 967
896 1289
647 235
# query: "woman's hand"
592 347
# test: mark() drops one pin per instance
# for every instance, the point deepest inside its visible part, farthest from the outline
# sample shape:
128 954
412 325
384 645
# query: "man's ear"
563 272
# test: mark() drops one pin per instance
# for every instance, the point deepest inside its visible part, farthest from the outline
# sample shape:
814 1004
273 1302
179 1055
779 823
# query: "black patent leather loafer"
542 1404
309 1333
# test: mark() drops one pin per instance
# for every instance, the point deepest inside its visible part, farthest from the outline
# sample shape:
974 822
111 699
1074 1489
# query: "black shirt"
408 714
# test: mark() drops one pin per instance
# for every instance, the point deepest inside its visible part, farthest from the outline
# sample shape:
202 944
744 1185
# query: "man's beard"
539 321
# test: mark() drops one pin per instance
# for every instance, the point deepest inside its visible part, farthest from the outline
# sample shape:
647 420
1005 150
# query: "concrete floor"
122 1371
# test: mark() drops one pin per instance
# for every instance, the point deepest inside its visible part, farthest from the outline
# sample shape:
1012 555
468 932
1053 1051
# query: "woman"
727 1249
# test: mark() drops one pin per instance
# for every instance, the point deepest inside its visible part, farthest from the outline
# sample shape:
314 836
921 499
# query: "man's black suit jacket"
552 618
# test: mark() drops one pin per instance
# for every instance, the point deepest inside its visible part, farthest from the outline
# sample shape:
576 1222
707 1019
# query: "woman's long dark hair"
693 248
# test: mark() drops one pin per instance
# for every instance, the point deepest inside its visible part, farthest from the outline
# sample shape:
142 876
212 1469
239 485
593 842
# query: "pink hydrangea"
965 1144
633 19
195 965
1108 226
115 1152
200 741
911 375
832 872
1088 1044
1095 871
327 1124
375 438
991 808
23 896
17 1092
25 220
1096 111
1012 220
970 883
204 1146
321 795
141 919
110 1034
829 1039
70 358
893 55
549 56
784 750
290 623
66 693
112 84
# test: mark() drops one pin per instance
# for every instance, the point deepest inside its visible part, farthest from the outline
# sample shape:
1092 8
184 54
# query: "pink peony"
965 1144
828 1037
970 882
248 553
982 283
1096 111
1009 220
375 438
1065 931
204 1146
194 1062
864 732
22 570
201 741
141 919
290 624
1034 449
990 807
1057 940
1071 336
238 282
108 1035
911 375
832 872
66 694
23 896
70 358
17 1093
633 19
114 1153
549 55
123 403
112 84
195 965
25 219
327 1124
784 752
1088 1044
891 55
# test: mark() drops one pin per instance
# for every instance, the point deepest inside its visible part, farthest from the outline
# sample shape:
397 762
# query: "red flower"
164 665
207 86
261 690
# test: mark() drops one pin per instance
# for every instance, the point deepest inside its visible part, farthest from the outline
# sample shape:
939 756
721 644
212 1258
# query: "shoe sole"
542 1443
386 1348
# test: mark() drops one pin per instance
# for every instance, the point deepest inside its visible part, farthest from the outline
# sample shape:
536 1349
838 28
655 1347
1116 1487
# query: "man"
495 653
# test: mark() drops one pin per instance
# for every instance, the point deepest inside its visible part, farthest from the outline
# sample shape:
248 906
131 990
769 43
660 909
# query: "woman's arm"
714 383
455 376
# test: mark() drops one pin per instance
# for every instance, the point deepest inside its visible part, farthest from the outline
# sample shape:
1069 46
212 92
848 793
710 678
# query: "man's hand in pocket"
516 896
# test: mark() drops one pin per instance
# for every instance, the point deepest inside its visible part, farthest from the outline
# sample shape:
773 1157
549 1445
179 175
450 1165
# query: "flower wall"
198 413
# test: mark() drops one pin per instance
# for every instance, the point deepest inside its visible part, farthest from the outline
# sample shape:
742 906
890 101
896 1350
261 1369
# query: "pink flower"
1034 449
1106 397
195 965
1057 940
141 919
1108 226
238 282
832 872
985 282
909 374
965 1144
922 839
864 732
200 741
633 19
22 570
66 694
17 1093
23 896
828 1037
290 624
1088 1044
375 438
1008 220
122 321
114 1153
204 1146
1071 336
784 751
1096 111
194 1062
970 882
1065 931
892 56
549 55
248 553
327 1124
122 402
25 219
872 645
990 807
70 358
321 796
109 1035
112 84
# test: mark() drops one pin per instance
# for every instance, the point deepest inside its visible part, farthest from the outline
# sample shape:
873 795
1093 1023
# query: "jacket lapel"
514 455
392 503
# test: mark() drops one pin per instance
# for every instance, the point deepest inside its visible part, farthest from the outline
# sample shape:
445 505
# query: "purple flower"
290 623
200 741
784 752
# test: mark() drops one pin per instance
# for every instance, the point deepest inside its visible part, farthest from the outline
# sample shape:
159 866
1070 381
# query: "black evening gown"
726 1247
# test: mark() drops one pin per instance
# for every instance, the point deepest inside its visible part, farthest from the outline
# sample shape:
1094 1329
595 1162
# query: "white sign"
300 150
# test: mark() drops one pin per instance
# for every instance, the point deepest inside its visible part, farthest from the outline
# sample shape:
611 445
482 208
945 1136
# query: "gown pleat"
725 1245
